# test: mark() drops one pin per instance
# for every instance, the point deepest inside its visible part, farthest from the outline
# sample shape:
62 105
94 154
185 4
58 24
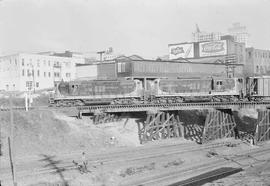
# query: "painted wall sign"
213 48
181 51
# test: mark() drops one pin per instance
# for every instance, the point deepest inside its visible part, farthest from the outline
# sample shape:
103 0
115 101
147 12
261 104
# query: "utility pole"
11 142
0 149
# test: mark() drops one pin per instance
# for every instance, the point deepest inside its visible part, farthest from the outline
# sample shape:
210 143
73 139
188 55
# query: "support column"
263 126
159 125
218 124
79 116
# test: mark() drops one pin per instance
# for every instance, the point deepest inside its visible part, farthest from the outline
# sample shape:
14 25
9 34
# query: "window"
28 73
16 62
56 74
38 73
49 63
49 74
67 74
29 85
219 83
37 84
44 63
257 68
121 67
249 54
44 74
23 72
22 61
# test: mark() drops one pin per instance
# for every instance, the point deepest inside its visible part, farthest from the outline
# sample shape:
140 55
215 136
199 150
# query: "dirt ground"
50 132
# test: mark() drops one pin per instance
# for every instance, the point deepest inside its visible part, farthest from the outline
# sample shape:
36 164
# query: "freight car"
209 89
258 88
89 92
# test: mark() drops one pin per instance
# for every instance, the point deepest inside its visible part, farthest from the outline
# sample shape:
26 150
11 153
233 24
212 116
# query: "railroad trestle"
162 120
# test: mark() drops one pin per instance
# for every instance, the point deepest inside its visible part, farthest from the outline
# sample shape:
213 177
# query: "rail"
175 106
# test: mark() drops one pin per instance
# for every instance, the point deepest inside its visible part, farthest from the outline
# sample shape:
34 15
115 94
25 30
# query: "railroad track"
180 175
174 106
120 157
147 107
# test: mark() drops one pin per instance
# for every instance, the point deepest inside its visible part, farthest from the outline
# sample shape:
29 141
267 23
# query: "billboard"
213 48
184 50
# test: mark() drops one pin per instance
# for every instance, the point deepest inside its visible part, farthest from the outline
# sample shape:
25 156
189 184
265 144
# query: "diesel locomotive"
161 90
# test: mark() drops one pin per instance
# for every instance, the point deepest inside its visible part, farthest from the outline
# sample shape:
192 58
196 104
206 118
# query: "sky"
142 27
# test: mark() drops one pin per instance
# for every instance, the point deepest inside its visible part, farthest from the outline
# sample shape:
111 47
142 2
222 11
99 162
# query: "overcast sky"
143 27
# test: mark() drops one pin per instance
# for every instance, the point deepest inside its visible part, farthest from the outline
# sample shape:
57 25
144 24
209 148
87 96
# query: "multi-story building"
257 62
23 71
239 32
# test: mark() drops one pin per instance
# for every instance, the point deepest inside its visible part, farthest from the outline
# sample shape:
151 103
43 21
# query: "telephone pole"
11 142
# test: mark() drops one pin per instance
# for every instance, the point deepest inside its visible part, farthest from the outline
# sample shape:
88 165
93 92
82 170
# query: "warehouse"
144 70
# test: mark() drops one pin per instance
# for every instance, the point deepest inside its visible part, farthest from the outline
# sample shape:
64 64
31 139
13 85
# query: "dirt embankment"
50 132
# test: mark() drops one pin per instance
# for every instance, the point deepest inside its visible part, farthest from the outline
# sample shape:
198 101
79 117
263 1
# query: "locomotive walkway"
176 106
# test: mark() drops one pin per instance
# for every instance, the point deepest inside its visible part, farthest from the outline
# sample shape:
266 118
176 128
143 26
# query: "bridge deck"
176 106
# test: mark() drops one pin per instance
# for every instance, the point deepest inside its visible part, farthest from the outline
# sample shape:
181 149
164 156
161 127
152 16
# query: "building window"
37 84
16 62
28 73
56 74
67 74
257 68
29 85
44 74
44 63
249 54
49 63
23 72
38 73
49 74
22 61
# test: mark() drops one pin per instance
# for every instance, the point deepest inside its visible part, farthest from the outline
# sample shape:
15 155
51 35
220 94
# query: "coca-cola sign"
213 48
177 50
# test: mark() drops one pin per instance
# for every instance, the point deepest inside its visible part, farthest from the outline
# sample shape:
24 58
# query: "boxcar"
258 87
